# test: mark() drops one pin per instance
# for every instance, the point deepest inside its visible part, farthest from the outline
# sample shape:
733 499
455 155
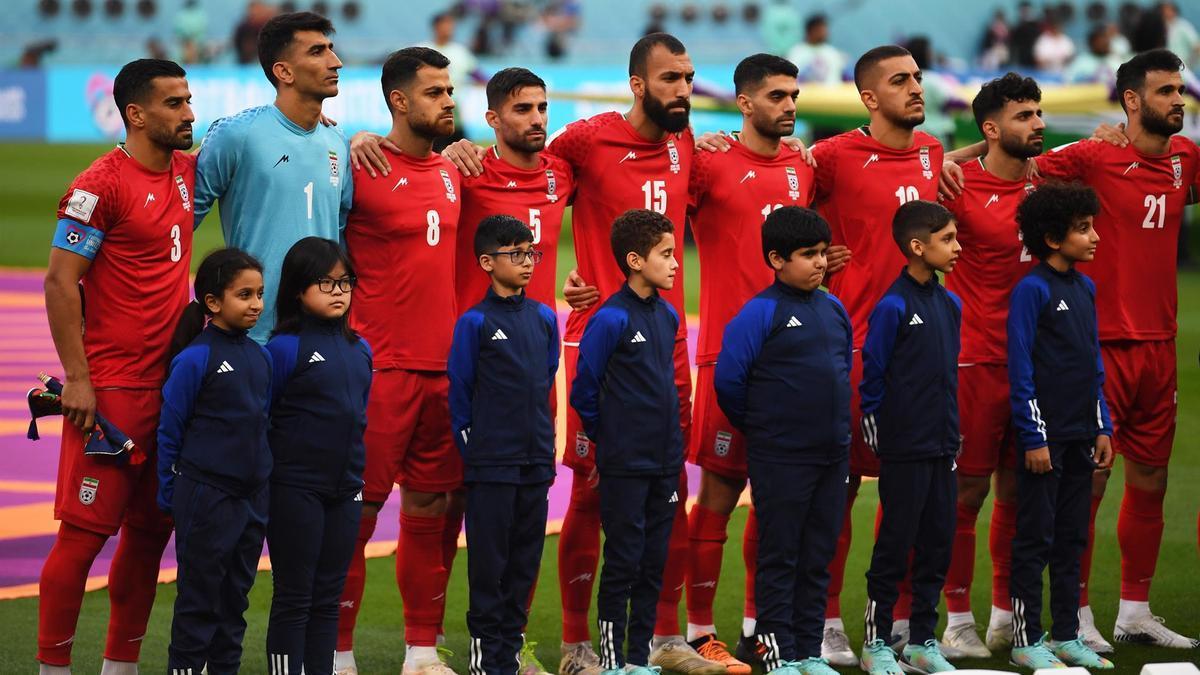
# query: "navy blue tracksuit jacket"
502 364
318 415
624 392
213 466
909 395
1056 379
783 379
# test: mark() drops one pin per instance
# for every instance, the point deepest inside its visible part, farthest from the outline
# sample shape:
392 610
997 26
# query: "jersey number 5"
535 224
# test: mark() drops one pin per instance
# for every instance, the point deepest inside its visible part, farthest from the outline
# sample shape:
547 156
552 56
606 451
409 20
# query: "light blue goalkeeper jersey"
277 183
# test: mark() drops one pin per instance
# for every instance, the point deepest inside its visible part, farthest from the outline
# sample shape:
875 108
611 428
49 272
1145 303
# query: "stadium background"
56 116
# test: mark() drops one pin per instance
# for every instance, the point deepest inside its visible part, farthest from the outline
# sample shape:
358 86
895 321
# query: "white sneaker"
343 663
1151 630
579 659
1090 634
434 667
835 648
900 635
961 641
999 636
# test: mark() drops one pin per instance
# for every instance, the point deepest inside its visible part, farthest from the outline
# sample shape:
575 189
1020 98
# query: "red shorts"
408 436
1140 385
863 461
716 445
579 454
101 494
985 420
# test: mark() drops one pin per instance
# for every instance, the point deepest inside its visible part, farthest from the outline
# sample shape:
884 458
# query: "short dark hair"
136 80
637 230
277 34
402 65
1132 74
507 82
440 17
872 58
306 261
1050 210
641 51
791 228
813 21
994 95
500 230
755 68
918 219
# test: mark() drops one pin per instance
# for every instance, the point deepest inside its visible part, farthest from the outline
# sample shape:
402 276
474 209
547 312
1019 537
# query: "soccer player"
862 177
140 193
1008 113
401 236
279 173
731 193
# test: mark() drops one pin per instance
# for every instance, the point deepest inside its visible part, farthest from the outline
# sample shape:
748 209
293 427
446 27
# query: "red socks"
454 522
1003 531
356 578
1085 561
422 577
1139 532
132 582
675 571
837 568
60 591
578 556
962 561
750 560
706 547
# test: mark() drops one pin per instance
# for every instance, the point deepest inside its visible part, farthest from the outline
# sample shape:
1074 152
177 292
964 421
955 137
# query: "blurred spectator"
1150 32
245 35
1098 63
939 92
156 50
780 27
1053 49
191 25
31 56
1181 34
1024 35
993 52
818 60
462 64
561 19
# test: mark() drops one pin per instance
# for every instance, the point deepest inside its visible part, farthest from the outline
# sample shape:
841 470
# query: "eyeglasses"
518 256
345 284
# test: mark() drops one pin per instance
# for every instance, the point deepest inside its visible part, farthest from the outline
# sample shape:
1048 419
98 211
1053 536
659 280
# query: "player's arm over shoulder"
573 142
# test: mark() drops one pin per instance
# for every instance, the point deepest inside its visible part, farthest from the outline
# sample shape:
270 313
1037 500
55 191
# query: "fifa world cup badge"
551 186
87 491
721 445
1177 170
334 178
926 170
793 182
673 153
450 196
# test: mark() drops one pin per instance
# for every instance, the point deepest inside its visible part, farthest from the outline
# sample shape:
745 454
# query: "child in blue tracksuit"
502 363
214 462
783 379
909 395
1056 380
624 392
322 372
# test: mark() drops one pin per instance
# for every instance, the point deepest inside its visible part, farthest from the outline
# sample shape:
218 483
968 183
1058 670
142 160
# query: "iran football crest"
673 154
926 170
87 491
581 444
793 182
450 196
551 186
721 445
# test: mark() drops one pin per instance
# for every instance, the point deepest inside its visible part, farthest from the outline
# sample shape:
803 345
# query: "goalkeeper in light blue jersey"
279 173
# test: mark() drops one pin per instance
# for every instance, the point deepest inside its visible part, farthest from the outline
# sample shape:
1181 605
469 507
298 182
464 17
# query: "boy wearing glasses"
503 359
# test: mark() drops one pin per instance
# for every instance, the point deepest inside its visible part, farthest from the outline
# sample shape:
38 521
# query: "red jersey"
400 236
1141 210
731 193
860 184
617 170
536 196
992 261
135 225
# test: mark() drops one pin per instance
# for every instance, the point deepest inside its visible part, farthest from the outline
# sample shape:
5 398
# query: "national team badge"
793 182
581 444
1177 170
721 445
450 196
87 491
334 175
1029 188
926 170
673 153
183 194
551 186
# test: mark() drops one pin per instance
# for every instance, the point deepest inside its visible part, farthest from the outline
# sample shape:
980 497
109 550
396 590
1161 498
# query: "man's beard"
1157 124
772 128
1015 147
667 121
172 139
522 143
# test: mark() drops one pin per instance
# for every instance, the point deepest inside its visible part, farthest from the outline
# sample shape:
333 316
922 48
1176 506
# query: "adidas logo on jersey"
316 358
499 335
992 200
873 158
916 320
748 176
631 155
638 337
1062 306
794 323
674 498
224 367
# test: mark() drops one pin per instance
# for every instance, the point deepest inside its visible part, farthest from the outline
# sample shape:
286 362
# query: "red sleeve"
94 197
1068 162
573 142
825 152
699 180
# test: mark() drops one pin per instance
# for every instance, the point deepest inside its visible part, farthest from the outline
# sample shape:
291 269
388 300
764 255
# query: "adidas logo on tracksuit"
794 323
316 358
499 335
225 367
916 320
1062 306
638 337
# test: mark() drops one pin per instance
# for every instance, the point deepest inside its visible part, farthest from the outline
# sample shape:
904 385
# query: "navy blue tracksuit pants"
636 513
218 541
506 529
1052 527
919 500
310 539
800 510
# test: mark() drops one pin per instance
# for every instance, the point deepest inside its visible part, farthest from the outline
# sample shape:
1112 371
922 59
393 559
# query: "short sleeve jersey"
860 184
1142 198
992 261
617 170
400 237
538 197
731 193
135 225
